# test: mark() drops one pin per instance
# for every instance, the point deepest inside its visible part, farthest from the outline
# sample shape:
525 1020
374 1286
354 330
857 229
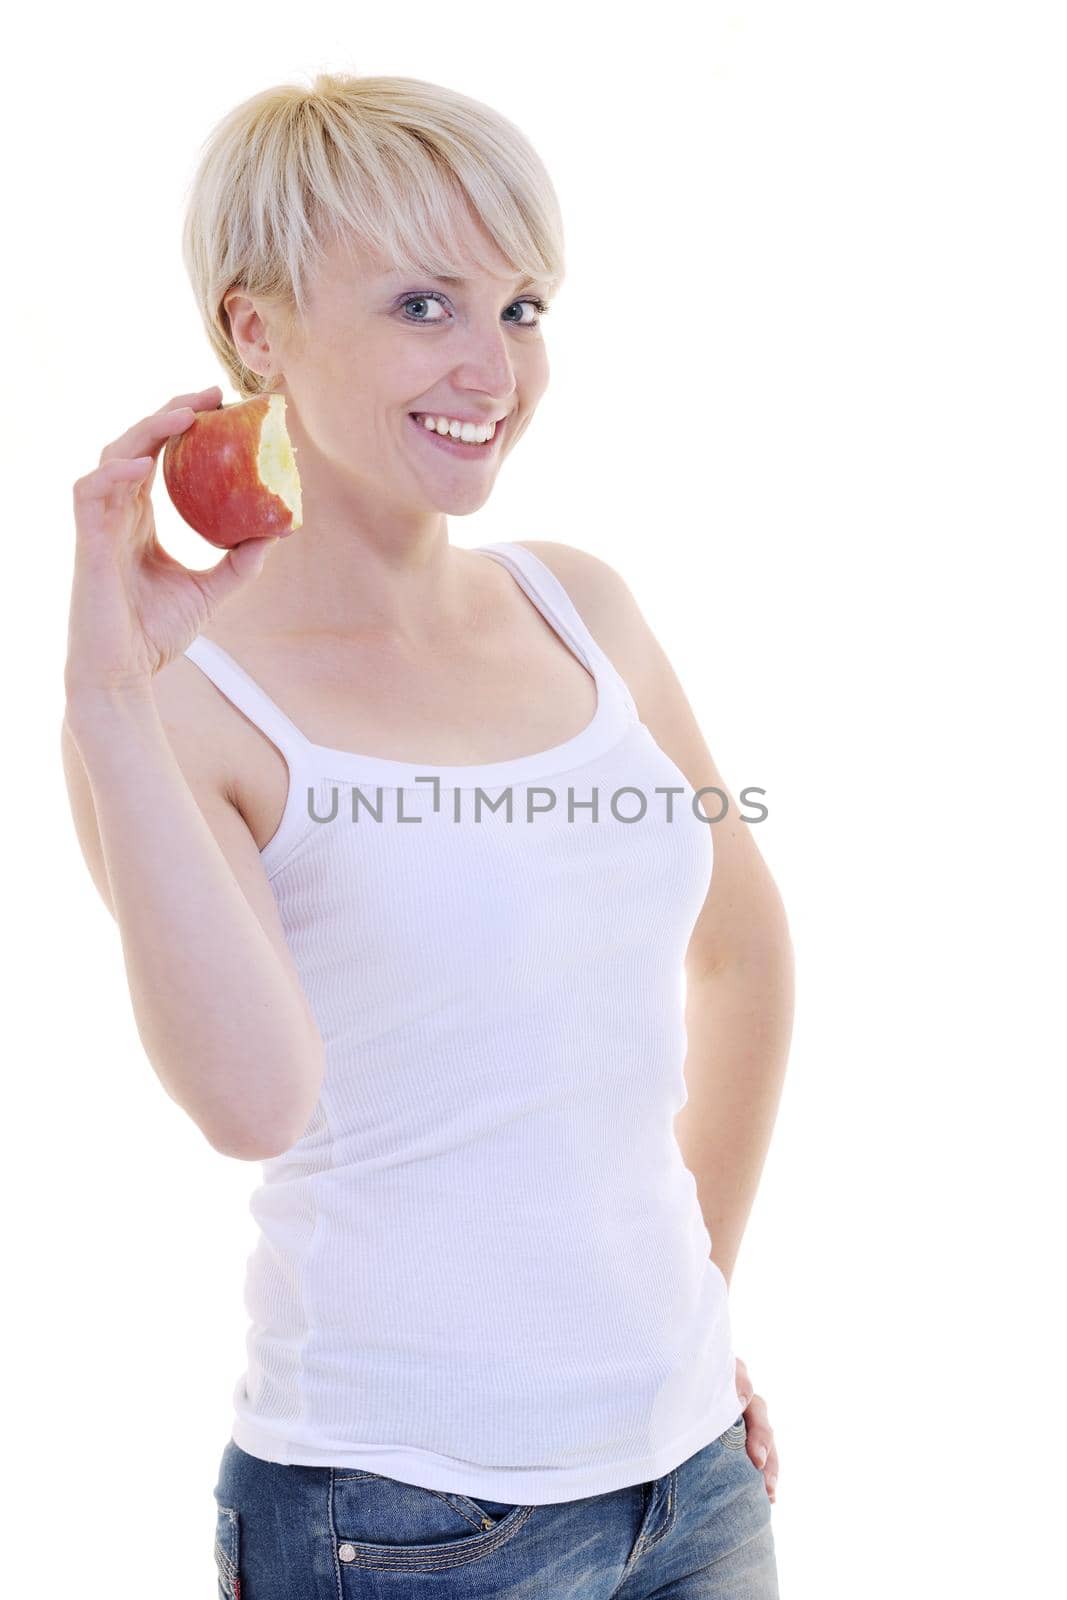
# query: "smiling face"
378 345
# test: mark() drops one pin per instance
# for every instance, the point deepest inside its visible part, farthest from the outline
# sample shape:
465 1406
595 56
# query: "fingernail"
761 1456
771 1482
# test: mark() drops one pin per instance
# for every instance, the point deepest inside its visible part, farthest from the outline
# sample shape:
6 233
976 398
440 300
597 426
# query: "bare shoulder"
584 575
601 595
607 605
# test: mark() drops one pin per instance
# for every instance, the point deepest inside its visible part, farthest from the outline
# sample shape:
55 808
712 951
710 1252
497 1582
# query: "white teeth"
458 430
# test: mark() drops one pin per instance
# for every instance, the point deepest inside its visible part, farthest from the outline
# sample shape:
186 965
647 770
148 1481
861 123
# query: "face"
378 346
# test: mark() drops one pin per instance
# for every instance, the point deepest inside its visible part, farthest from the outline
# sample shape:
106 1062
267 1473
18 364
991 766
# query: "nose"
487 366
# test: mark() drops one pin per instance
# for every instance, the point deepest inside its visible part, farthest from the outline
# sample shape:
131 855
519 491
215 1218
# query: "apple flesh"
232 473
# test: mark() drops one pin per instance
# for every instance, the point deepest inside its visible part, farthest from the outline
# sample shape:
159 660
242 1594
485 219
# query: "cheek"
536 375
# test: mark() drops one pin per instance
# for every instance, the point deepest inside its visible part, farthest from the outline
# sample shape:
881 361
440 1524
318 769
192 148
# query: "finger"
756 1414
102 502
201 400
100 485
148 436
150 433
759 1441
770 1471
238 566
757 1423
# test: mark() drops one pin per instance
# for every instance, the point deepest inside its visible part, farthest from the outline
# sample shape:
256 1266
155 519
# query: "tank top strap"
553 601
239 687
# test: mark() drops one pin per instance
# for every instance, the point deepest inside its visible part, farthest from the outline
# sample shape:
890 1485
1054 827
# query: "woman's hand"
134 608
760 1435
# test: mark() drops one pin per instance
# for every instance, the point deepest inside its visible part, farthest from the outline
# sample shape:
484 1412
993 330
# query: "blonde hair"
394 162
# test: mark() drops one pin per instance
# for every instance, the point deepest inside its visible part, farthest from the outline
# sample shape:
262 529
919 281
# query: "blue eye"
430 294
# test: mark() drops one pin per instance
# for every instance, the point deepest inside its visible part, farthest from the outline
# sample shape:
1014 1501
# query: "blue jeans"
325 1533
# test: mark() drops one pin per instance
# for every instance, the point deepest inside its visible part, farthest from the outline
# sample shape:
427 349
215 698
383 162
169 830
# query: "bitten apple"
232 473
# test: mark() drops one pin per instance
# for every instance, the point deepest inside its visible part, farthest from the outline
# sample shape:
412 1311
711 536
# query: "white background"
807 395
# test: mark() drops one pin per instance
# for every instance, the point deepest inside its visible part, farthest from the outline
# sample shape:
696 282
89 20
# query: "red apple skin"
211 476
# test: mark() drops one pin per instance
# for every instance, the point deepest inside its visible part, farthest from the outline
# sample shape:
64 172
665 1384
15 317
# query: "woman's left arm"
739 965
739 1020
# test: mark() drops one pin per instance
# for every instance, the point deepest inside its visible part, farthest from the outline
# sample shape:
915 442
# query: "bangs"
421 220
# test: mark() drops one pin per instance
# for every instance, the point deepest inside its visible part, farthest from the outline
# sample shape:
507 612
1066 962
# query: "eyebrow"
440 277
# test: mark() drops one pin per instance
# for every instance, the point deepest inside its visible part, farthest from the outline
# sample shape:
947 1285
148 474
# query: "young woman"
411 848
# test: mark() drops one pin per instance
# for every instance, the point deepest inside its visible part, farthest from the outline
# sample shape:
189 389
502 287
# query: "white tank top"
483 1266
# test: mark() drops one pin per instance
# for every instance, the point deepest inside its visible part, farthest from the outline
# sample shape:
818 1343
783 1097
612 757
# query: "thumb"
239 566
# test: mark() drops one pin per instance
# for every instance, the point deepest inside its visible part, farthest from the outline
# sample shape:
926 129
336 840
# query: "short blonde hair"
394 162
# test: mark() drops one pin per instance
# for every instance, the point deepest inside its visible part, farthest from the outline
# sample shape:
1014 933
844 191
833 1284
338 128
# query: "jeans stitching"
226 1560
669 1512
437 1556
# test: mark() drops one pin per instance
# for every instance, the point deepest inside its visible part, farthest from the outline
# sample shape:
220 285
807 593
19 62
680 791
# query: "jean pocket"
383 1523
228 1553
735 1436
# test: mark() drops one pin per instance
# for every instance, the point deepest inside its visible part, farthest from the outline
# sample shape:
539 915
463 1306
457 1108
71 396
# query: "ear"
248 331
